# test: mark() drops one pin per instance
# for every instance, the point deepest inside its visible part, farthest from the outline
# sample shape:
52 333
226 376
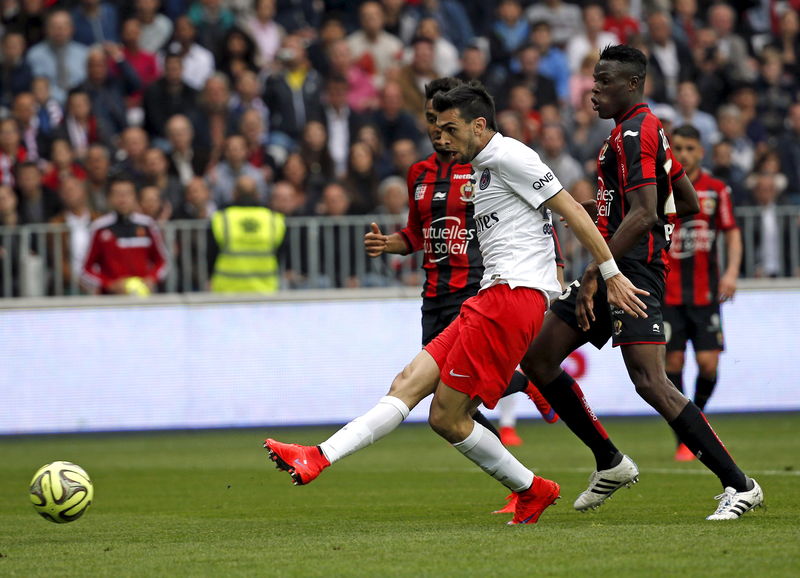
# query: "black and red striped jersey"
441 223
637 154
693 276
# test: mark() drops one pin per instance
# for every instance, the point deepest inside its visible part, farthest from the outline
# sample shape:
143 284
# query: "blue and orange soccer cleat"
548 413
533 501
304 463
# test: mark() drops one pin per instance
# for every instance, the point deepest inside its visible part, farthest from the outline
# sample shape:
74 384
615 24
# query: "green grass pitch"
208 503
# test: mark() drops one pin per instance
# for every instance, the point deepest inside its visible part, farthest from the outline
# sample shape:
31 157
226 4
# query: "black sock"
518 383
691 427
566 397
677 380
703 389
484 421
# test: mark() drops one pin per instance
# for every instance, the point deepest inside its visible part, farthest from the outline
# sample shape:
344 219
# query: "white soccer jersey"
515 231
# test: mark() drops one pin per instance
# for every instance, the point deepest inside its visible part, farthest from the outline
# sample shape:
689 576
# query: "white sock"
492 457
365 429
507 407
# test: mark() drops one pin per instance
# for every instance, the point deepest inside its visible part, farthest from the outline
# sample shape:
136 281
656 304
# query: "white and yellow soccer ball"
61 492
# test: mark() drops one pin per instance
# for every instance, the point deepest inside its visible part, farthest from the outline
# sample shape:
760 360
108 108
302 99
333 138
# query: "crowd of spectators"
186 96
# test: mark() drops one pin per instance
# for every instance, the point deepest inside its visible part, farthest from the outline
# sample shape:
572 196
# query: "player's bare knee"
438 421
675 361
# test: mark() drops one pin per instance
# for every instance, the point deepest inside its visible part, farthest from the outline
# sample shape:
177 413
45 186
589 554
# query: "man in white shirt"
473 359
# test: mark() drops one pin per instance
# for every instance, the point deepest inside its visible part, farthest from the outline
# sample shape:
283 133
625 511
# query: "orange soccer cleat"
510 506
304 463
509 436
533 501
547 411
683 454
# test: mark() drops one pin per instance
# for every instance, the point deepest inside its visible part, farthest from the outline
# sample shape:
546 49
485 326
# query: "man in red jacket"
127 254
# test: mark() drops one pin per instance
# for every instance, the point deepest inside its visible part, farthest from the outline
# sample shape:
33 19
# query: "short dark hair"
121 178
438 85
471 100
633 59
687 131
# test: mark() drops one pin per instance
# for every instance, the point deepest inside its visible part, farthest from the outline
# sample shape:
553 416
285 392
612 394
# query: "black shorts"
439 312
701 324
615 323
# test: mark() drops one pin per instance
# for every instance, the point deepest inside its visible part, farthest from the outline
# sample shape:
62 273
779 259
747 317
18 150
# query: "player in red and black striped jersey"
637 175
695 288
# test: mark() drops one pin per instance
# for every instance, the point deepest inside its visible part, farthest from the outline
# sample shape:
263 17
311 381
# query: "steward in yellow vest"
247 238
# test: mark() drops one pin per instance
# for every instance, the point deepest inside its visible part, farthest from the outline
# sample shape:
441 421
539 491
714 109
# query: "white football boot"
733 504
603 483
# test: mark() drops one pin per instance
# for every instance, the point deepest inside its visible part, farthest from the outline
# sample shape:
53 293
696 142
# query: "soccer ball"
61 492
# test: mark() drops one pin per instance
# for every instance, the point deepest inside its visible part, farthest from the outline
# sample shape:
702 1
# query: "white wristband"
608 268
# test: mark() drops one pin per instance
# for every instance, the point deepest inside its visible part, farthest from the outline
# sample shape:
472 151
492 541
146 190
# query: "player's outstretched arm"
376 243
621 292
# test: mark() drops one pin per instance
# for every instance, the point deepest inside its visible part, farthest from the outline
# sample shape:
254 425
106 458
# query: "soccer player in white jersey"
473 359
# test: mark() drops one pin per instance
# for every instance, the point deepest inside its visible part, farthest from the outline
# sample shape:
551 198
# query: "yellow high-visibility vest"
248 239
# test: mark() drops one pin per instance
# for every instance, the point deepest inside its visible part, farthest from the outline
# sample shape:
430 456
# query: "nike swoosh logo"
454 374
298 461
630 133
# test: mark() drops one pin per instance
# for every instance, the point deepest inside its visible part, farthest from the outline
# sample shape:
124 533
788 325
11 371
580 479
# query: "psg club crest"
486 178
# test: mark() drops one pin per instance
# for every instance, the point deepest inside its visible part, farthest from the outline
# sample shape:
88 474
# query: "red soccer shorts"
479 351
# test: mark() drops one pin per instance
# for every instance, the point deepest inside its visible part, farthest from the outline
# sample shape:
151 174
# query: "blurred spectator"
293 93
510 124
582 81
156 28
474 66
63 165
222 178
746 99
9 216
98 165
36 141
215 118
393 202
49 111
144 63
80 127
592 39
732 48
130 155
314 148
168 96
237 54
413 77
197 202
266 33
338 250
369 135
332 31
251 127
770 255
77 215
198 62
153 205
404 154
554 154
212 20
445 54
685 22
372 48
451 20
564 19
620 21
302 17
724 169
361 181
295 172
392 120
712 80
186 161
669 63
15 73
769 163
96 22
553 61
687 112
787 42
126 253
245 244
789 149
108 93
9 244
36 204
59 58
28 19
247 96
11 151
400 19
522 101
588 134
542 87
156 174
733 129
285 200
510 31
341 121
773 92
361 93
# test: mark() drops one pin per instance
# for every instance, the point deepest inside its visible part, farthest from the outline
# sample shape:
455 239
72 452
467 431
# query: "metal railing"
320 253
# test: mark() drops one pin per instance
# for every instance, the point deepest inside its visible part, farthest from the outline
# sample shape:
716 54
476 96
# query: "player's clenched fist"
375 242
